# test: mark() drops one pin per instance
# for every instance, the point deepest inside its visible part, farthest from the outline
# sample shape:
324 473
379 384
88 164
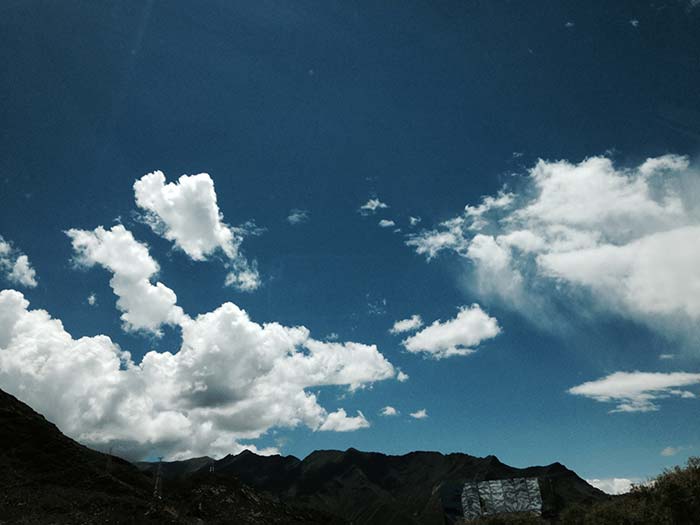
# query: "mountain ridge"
377 488
47 477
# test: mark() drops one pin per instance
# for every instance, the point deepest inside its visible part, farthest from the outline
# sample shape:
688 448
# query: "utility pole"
158 486
108 463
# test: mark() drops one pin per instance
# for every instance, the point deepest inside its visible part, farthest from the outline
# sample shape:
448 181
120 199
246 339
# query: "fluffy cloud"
402 377
458 336
145 306
614 485
637 391
371 206
448 236
297 216
414 220
389 411
386 223
15 266
627 237
339 421
419 414
231 380
186 212
407 325
244 276
92 299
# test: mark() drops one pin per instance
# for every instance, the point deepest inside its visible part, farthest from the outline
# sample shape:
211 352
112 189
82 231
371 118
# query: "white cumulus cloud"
637 391
419 414
230 380
15 266
627 238
406 325
458 336
186 212
145 306
386 223
614 485
339 421
389 411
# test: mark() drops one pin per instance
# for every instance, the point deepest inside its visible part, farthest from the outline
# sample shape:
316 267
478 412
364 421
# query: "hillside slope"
46 477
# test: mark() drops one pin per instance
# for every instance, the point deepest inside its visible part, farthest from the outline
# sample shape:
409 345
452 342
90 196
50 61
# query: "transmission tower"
158 486
108 462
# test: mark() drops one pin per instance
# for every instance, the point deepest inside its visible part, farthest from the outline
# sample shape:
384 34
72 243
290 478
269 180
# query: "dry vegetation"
673 498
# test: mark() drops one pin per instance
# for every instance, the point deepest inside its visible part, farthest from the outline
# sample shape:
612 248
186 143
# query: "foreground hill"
372 488
46 477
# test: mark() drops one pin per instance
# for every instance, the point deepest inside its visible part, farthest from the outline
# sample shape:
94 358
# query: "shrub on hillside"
672 498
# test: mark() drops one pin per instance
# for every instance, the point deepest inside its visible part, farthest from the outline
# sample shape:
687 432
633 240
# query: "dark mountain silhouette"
372 488
46 477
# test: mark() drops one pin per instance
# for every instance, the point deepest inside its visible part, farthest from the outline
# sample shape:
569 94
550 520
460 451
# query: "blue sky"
320 107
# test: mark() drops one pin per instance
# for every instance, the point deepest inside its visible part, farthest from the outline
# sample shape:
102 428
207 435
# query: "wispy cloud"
671 451
419 414
637 391
371 206
297 216
376 306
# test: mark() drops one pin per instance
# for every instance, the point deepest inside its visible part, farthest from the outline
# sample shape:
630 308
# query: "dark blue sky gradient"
320 105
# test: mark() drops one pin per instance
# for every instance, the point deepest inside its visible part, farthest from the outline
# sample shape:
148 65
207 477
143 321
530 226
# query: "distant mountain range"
45 477
372 488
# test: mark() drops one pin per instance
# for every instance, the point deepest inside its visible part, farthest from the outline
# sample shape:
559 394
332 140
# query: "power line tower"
158 486
108 461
